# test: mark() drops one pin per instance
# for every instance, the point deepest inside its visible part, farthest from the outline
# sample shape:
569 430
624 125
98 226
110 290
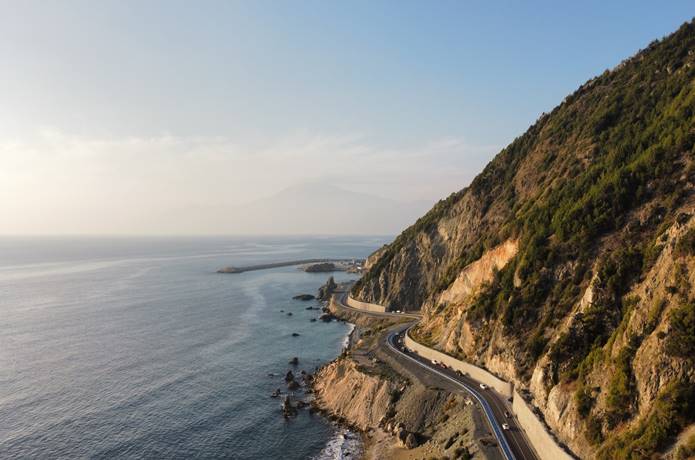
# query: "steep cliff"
568 265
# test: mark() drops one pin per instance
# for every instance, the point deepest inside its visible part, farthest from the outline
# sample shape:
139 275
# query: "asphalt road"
512 442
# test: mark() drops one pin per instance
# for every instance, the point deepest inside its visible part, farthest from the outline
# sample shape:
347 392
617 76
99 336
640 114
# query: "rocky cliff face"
568 265
403 419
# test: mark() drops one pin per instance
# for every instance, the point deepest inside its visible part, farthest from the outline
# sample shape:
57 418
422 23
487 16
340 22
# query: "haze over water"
136 348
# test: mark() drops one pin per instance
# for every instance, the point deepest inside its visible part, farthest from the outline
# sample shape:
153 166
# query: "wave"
344 445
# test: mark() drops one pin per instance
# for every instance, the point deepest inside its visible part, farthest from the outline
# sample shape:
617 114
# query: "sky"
114 111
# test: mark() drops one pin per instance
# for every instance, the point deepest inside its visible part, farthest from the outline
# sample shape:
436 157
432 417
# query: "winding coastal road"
512 442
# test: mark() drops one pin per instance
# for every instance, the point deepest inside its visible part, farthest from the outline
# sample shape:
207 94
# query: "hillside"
568 264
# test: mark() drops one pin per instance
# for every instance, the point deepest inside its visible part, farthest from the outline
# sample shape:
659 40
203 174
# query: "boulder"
302 404
289 376
288 410
326 317
401 434
411 441
294 361
292 385
295 334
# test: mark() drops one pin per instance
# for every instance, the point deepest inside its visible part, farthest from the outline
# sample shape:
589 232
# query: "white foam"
345 445
346 340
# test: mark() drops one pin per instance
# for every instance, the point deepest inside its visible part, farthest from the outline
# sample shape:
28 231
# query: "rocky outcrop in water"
304 297
327 290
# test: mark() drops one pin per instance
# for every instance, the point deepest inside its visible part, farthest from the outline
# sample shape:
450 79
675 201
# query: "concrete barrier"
365 305
542 440
506 389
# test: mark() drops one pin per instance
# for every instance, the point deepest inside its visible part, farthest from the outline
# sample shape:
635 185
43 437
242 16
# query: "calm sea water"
136 348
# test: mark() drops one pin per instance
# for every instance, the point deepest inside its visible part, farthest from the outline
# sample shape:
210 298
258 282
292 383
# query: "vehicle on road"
506 414
483 386
505 426
435 362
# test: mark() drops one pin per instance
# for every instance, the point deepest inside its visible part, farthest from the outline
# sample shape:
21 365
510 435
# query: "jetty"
288 263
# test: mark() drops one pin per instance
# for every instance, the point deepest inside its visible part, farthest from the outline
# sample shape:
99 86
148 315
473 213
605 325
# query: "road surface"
512 442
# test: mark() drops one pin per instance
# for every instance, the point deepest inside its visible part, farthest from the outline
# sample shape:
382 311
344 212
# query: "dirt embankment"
400 415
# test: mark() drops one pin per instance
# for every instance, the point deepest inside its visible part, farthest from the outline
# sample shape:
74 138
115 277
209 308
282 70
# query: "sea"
137 348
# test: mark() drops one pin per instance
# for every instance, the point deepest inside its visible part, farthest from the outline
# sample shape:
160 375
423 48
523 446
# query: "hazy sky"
111 111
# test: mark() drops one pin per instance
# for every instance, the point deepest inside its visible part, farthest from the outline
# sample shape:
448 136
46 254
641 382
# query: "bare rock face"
327 290
474 275
360 398
408 413
568 265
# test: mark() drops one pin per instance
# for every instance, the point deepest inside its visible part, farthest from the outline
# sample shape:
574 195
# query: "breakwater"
287 263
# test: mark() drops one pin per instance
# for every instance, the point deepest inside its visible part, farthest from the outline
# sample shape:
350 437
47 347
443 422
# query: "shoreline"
348 441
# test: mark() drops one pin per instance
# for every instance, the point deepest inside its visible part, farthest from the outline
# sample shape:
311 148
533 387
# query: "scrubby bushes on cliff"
588 192
686 244
680 340
673 410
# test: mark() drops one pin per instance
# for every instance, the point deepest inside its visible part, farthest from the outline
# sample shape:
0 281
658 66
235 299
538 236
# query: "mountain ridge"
583 316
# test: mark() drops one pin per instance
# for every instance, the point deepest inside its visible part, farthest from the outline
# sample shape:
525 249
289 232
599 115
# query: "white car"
435 362
505 426
483 386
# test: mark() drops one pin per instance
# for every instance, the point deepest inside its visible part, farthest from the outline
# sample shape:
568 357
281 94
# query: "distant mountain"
568 265
316 208
306 209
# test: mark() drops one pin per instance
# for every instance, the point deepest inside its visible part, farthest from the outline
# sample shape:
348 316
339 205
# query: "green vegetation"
672 411
621 389
680 340
593 430
589 192
584 401
686 244
687 449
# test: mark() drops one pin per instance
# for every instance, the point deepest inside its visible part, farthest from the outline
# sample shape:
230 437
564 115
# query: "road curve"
513 442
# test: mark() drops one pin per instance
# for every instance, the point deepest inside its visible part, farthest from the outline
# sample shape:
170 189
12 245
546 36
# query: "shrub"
673 410
686 244
680 340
